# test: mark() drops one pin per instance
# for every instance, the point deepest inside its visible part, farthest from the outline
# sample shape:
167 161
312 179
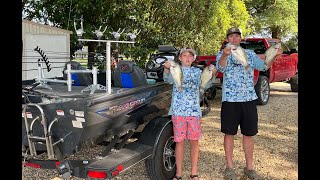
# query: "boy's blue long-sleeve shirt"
238 84
186 103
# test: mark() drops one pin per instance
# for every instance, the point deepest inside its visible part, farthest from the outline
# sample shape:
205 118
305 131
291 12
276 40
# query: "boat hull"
85 121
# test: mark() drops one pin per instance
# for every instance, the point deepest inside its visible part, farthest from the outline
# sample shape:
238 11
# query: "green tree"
199 24
179 23
183 23
225 14
278 17
113 14
292 42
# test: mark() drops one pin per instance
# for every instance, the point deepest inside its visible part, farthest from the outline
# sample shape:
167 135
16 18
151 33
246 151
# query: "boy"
238 102
185 109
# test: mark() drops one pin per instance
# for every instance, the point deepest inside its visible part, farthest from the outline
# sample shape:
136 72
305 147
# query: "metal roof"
48 27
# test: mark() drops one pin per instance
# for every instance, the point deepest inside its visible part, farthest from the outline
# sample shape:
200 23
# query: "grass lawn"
83 62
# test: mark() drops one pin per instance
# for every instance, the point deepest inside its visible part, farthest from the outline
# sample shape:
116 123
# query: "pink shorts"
186 128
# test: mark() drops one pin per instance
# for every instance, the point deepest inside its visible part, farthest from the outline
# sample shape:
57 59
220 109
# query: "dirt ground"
276 144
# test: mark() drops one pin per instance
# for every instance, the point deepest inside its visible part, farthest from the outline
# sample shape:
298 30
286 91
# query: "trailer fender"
153 130
159 134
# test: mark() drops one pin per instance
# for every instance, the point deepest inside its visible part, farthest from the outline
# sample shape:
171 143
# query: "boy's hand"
213 69
226 51
280 51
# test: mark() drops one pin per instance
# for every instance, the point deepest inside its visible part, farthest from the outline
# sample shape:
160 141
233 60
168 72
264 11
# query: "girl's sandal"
194 176
177 177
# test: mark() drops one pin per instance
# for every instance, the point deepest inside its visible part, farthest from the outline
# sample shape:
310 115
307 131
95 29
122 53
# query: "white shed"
46 45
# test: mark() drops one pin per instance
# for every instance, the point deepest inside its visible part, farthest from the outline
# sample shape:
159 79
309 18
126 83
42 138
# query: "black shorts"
243 113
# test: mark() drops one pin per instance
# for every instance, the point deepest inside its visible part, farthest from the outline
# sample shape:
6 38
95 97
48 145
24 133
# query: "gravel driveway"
276 144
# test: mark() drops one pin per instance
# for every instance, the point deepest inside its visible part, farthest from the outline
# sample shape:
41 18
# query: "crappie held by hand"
272 52
239 53
176 72
206 75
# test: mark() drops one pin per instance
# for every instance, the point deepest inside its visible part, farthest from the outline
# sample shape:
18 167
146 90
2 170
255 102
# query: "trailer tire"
262 89
162 165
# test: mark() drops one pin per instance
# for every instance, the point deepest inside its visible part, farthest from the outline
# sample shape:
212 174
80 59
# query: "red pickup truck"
285 68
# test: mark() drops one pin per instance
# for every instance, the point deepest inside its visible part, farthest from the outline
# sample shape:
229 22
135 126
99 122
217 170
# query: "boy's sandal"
177 177
194 176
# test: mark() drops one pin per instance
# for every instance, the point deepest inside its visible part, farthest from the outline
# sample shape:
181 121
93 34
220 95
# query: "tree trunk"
275 31
274 34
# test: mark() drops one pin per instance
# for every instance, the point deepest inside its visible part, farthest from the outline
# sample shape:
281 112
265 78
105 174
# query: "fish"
206 75
272 52
176 72
239 53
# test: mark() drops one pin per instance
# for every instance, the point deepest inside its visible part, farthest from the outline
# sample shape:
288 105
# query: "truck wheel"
294 83
163 165
262 89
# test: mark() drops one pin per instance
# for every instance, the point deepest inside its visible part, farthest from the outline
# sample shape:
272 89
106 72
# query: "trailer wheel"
163 164
262 89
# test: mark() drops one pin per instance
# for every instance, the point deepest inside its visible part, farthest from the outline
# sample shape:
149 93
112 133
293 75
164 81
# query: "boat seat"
79 79
129 75
101 77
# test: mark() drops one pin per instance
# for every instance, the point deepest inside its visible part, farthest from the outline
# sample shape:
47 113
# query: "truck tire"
294 83
163 165
262 89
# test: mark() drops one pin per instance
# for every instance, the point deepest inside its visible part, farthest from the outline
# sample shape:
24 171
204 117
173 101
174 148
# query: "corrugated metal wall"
57 43
35 28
